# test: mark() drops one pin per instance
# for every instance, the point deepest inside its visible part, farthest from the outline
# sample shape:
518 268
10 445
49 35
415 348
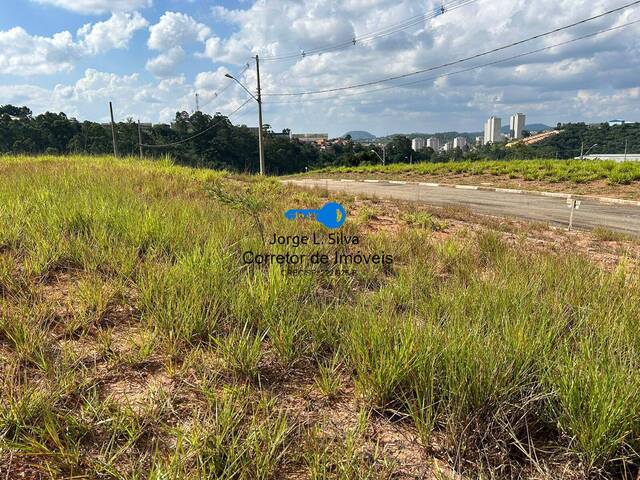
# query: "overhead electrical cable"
222 90
215 123
455 62
368 37
457 72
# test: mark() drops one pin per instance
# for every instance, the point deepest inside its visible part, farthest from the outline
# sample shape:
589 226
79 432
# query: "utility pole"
582 151
384 154
259 99
113 132
626 144
140 138
197 103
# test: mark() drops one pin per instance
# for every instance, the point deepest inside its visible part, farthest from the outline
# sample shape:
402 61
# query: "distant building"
479 141
459 142
615 123
434 142
492 130
447 147
516 125
310 137
417 144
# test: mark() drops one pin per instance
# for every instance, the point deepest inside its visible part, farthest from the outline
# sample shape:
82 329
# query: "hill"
360 135
597 138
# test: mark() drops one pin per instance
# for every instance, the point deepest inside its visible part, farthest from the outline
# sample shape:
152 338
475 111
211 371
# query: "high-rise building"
417 144
492 130
459 142
434 142
447 147
479 141
516 125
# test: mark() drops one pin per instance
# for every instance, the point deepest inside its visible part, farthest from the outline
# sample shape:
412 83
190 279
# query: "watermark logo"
331 215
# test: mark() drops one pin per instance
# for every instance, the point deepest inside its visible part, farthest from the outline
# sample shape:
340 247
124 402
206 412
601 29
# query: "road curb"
607 200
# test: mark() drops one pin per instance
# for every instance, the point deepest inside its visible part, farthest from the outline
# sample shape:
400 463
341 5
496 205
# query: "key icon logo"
331 215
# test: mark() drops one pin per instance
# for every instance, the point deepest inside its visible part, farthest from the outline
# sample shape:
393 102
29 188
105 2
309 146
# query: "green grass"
575 171
134 344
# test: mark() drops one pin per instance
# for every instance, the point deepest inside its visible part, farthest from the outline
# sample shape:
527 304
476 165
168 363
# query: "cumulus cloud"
24 54
132 97
545 84
173 29
164 65
589 80
113 33
98 6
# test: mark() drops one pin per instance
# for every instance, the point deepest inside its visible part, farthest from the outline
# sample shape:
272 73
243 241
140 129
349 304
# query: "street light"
259 100
384 154
588 150
378 155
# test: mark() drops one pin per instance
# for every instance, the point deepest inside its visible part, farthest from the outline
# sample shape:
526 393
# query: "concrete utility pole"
113 132
140 138
197 102
259 99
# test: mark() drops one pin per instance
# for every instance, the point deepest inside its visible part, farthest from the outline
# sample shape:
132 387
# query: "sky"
151 57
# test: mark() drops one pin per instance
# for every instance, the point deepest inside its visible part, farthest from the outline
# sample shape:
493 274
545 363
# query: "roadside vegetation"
134 344
553 171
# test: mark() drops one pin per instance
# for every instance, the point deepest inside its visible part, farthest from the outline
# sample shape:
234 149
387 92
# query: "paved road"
591 213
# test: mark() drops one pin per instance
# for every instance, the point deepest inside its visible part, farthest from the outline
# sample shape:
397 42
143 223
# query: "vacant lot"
135 344
587 177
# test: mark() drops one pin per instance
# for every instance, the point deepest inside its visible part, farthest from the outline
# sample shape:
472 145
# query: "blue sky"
150 57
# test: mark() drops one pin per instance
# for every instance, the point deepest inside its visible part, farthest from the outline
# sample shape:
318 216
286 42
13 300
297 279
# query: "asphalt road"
552 210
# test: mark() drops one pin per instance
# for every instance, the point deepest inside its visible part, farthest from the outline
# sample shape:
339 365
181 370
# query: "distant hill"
360 135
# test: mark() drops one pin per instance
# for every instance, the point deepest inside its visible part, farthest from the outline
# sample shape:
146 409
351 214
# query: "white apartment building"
492 130
516 125
459 142
434 142
418 144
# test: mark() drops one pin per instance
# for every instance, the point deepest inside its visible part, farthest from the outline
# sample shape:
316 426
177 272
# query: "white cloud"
545 84
24 54
98 6
113 33
164 65
583 81
174 29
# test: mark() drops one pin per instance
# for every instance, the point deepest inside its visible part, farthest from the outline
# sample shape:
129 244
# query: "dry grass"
134 343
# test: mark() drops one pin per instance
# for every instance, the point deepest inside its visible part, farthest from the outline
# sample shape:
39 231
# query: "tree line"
235 147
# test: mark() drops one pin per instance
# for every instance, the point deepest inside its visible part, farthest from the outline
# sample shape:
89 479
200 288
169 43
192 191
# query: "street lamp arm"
378 155
245 88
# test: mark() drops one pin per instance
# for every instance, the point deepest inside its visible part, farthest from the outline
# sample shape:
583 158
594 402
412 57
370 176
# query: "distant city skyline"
150 57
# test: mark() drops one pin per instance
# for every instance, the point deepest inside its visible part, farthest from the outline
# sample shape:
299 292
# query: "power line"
215 123
457 72
448 64
221 91
368 37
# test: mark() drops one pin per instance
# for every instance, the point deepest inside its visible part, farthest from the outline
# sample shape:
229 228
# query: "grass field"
553 171
135 344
